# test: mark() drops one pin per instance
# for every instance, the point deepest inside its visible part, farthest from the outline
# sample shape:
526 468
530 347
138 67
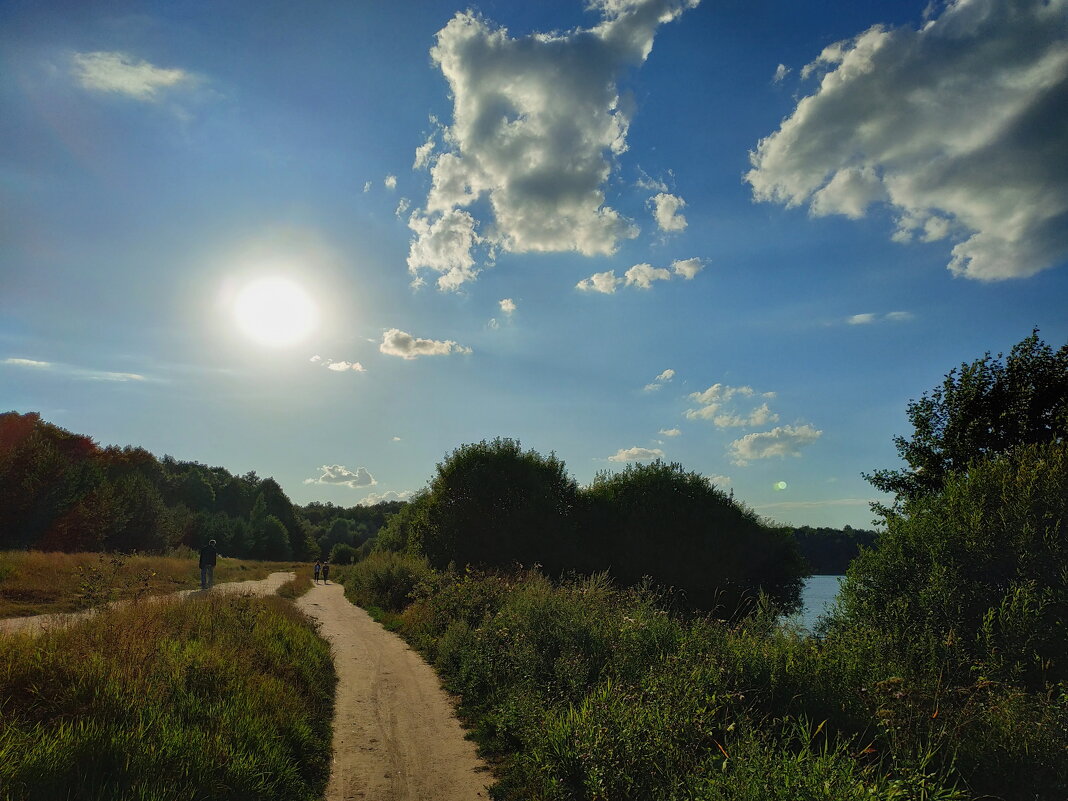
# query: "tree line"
61 491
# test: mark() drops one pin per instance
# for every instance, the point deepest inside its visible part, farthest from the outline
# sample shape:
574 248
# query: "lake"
817 596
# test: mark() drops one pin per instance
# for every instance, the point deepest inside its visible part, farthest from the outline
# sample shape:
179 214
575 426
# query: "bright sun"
275 311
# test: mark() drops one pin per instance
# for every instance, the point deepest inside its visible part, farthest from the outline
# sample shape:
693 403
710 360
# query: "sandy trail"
37 623
396 737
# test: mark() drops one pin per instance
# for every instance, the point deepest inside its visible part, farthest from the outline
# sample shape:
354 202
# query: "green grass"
582 690
221 697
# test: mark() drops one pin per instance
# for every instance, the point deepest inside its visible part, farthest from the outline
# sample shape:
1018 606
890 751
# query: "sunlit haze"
275 312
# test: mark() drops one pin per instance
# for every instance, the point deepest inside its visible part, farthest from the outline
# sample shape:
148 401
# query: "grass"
581 690
217 697
34 583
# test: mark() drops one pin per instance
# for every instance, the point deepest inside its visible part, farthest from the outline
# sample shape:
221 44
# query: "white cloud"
666 210
86 374
341 367
423 154
957 125
122 74
719 481
340 476
390 182
720 392
687 268
507 305
869 317
379 497
645 181
366 186
28 363
398 343
444 246
315 359
537 124
605 283
781 441
759 416
670 432
395 439
402 207
493 323
781 72
660 380
643 275
636 455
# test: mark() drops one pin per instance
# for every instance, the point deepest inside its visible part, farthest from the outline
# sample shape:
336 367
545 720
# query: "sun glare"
275 312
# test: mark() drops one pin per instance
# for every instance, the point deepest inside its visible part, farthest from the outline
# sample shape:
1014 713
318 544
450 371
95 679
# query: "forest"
61 491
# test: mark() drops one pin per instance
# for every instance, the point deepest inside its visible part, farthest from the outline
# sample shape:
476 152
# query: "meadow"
209 697
35 582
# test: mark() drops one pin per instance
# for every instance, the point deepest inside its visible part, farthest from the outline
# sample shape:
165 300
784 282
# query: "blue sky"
330 242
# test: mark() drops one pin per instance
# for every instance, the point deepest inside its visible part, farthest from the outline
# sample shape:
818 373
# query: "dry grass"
33 583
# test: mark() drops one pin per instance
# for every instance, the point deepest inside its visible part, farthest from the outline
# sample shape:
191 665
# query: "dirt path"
36 623
396 737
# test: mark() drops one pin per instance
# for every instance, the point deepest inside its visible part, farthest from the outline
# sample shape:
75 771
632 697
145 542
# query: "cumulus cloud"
719 481
340 367
398 343
507 305
537 125
781 72
122 74
759 416
687 268
423 154
605 283
366 186
402 207
641 276
711 404
390 182
379 497
666 210
869 317
340 476
670 432
660 380
781 441
957 125
444 246
636 455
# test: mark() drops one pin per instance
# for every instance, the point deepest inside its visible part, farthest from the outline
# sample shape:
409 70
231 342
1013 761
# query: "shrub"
386 580
342 554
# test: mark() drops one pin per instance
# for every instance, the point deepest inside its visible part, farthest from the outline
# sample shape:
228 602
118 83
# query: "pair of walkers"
322 570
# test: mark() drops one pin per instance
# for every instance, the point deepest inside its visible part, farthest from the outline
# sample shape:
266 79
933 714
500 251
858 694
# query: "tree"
659 520
981 409
493 504
972 580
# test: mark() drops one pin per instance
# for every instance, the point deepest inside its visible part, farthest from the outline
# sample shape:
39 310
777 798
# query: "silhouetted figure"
208 557
318 569
326 573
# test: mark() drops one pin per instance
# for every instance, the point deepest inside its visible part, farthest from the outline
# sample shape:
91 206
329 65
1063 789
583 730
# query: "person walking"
326 572
318 569
208 557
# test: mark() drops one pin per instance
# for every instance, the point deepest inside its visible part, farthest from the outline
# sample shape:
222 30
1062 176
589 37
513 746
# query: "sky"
332 242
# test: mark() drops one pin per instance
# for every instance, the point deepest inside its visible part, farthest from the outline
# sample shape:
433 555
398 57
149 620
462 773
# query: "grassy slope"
32 582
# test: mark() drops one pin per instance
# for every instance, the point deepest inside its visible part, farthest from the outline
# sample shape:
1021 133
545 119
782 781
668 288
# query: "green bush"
342 554
386 580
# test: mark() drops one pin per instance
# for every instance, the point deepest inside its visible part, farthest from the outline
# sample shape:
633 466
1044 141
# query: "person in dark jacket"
208 557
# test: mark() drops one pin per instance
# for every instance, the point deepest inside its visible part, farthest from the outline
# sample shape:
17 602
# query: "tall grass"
584 691
221 697
35 582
